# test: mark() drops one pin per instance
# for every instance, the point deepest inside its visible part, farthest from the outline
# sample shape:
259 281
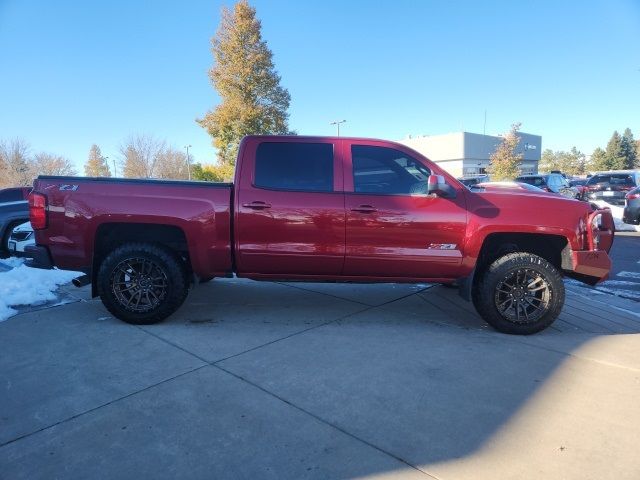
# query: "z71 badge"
442 246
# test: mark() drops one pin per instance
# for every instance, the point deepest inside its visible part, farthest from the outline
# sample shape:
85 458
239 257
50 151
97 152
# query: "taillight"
38 211
632 196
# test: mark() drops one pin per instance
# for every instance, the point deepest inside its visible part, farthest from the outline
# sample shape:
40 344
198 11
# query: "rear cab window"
294 166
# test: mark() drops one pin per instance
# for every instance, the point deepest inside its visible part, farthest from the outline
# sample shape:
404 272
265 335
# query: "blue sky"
76 73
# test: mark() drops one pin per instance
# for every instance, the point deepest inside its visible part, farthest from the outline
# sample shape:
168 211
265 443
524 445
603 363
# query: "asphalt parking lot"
260 380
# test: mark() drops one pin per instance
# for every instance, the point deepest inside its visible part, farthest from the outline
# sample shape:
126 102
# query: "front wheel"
142 283
519 293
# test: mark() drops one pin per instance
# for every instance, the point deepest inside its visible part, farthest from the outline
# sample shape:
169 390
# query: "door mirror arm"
437 186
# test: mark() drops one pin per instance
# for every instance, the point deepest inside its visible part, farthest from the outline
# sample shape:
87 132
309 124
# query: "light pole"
337 124
188 163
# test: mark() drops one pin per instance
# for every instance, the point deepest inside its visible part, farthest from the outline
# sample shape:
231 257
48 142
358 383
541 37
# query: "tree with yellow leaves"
252 100
505 162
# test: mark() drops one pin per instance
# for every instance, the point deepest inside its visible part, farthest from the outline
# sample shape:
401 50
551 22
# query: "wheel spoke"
139 298
507 300
139 284
523 295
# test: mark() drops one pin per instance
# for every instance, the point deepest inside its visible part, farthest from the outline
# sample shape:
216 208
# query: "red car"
321 209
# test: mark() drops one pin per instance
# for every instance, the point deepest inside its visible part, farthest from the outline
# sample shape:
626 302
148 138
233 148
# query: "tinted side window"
387 171
295 166
12 195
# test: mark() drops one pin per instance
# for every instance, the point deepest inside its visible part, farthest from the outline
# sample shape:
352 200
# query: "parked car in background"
471 181
516 185
632 207
579 184
612 187
21 237
14 211
551 182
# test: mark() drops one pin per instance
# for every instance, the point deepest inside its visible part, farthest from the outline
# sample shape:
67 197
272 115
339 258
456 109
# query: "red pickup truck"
321 209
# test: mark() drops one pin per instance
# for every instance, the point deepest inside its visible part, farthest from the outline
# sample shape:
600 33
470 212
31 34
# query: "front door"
394 229
290 209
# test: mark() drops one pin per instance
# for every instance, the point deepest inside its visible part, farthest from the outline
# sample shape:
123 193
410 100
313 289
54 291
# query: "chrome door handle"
364 209
257 205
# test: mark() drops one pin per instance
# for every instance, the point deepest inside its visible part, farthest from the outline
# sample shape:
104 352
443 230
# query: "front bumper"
39 257
591 266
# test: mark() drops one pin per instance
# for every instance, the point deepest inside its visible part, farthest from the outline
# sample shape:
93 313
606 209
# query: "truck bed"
87 213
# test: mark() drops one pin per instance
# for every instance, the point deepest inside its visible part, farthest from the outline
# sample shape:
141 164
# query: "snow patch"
29 286
11 262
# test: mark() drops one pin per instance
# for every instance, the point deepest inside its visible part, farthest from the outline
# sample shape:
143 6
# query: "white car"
22 236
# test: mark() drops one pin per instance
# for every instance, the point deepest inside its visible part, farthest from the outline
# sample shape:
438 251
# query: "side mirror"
438 187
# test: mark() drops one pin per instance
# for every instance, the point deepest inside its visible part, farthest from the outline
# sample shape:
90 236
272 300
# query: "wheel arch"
109 236
551 247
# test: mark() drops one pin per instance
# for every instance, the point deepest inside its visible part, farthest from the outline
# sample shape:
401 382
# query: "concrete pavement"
258 380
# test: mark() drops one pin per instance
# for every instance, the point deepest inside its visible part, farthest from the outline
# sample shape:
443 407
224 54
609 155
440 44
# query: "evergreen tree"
96 165
252 100
505 162
548 161
574 162
629 149
615 152
599 160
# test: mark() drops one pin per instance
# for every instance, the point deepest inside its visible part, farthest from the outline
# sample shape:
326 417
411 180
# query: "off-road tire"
487 298
169 265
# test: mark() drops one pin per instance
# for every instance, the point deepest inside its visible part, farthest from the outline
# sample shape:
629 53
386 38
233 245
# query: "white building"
467 154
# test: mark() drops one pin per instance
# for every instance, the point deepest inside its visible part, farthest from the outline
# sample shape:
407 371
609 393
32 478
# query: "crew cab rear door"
394 228
290 216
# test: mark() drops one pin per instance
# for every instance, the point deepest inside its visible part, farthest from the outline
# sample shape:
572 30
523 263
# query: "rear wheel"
142 283
519 293
4 246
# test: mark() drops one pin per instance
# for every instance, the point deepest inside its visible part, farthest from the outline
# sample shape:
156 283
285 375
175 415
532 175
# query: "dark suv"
612 186
632 207
14 210
551 182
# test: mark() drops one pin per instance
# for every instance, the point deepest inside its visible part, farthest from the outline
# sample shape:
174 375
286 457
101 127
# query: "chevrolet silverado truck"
321 209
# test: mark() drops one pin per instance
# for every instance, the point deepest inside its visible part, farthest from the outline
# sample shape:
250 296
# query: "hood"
510 192
526 206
